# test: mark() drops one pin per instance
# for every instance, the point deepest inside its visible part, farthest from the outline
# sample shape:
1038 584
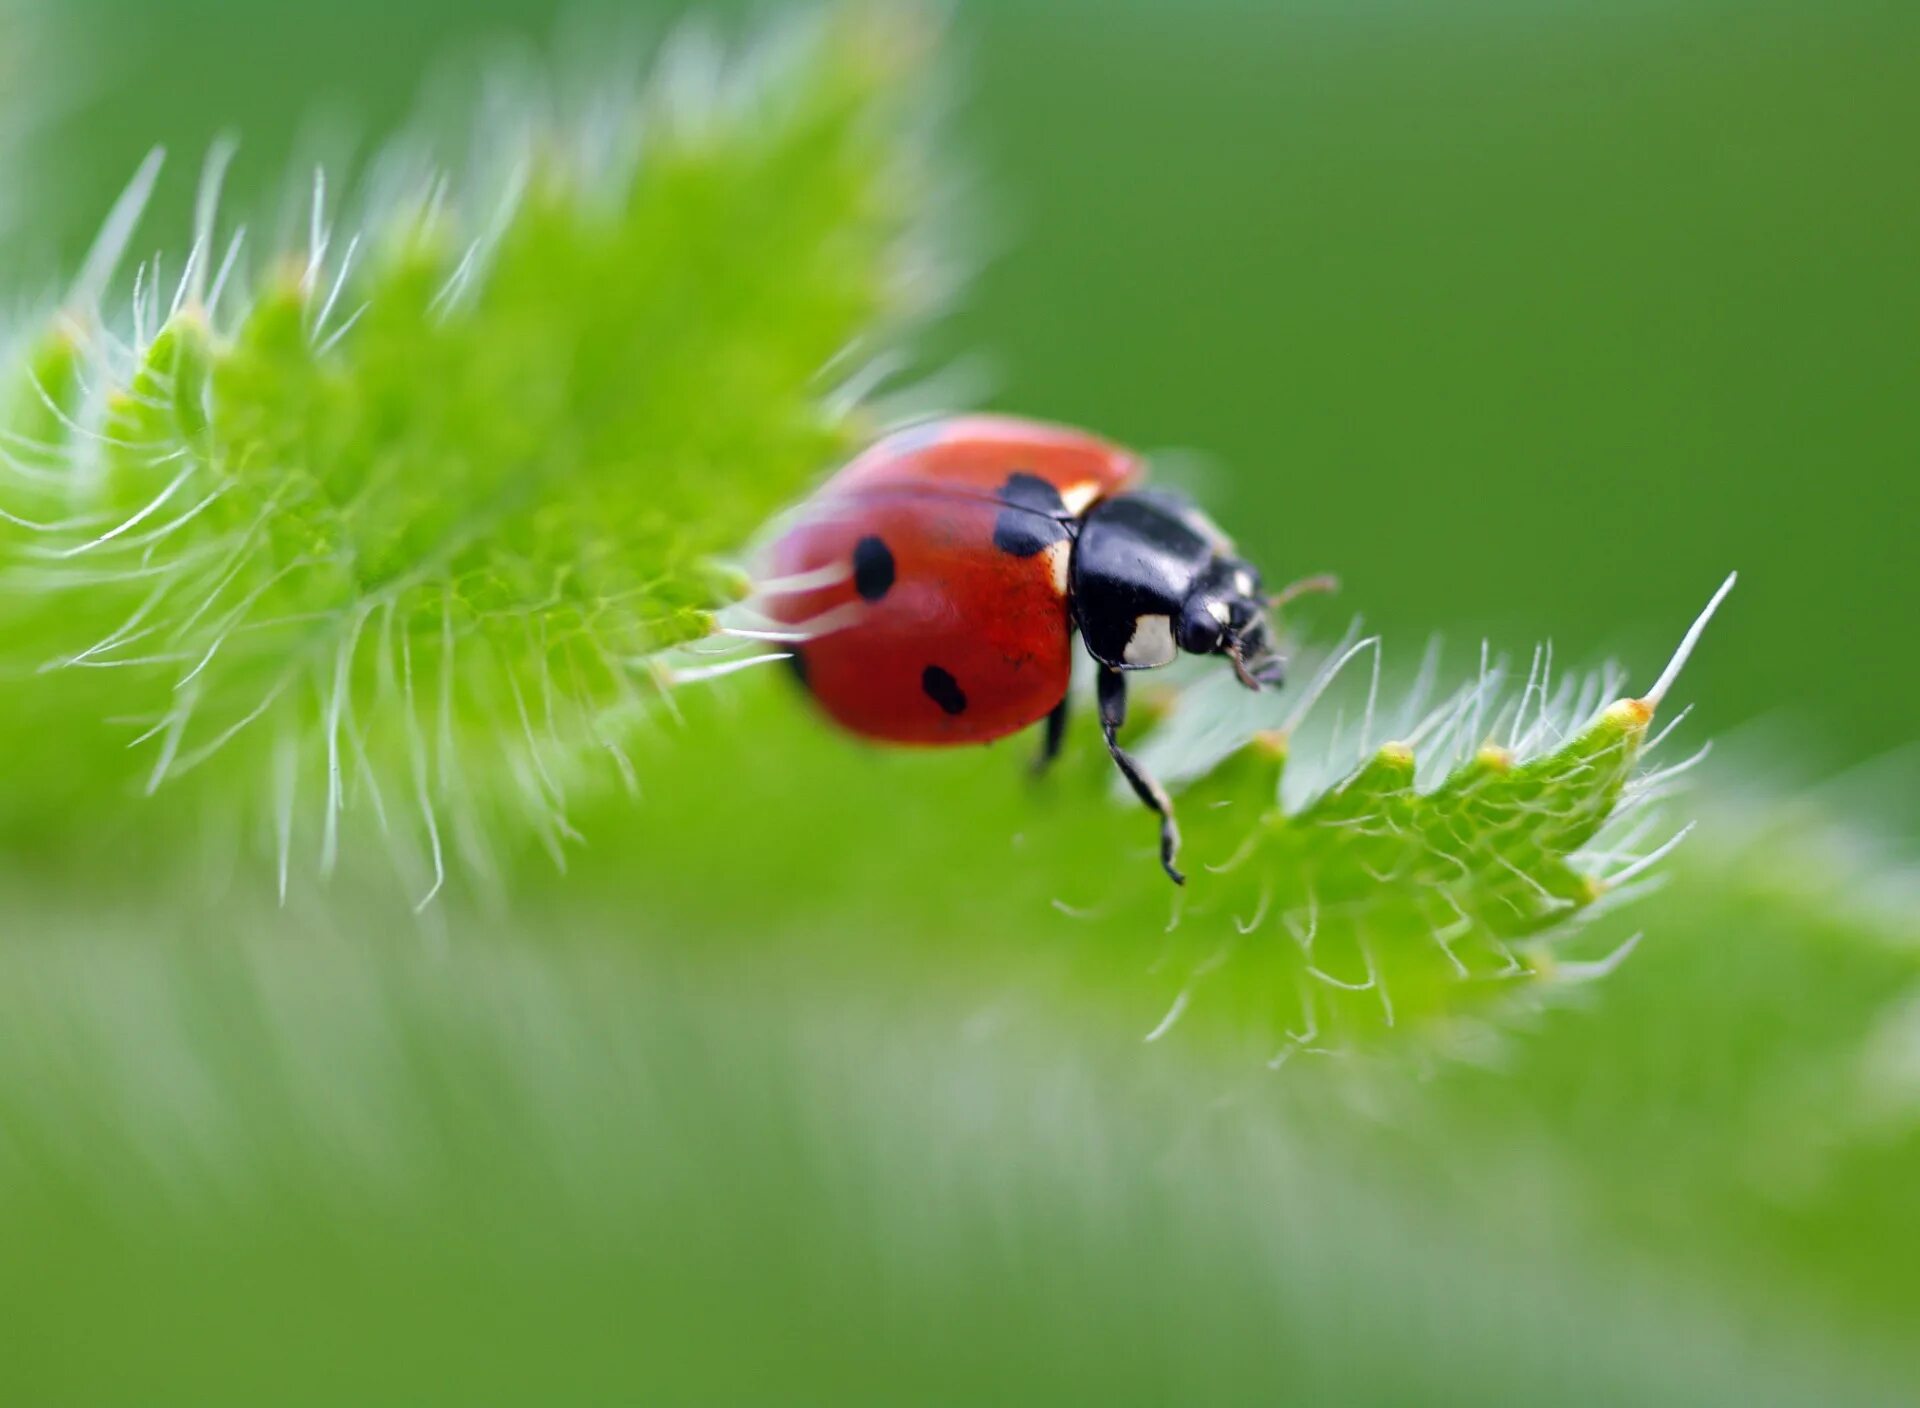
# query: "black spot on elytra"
797 662
872 569
943 689
1031 491
1034 517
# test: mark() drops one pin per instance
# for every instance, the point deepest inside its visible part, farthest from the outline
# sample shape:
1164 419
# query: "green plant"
398 530
1414 878
821 1075
401 520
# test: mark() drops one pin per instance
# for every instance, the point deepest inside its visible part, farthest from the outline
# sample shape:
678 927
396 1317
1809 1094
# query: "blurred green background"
1412 281
1531 320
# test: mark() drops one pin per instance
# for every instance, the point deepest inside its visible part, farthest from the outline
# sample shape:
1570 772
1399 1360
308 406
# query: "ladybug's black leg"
1113 713
1056 732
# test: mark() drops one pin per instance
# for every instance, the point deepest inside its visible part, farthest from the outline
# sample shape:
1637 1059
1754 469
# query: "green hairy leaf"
396 524
1343 893
383 542
386 543
652 1039
1414 878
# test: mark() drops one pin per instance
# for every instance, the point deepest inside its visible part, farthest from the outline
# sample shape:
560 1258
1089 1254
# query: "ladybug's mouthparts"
1263 671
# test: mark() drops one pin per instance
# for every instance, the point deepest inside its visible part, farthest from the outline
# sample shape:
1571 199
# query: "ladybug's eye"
1203 623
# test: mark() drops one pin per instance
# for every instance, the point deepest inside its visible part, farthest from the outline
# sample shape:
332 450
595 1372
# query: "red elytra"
949 621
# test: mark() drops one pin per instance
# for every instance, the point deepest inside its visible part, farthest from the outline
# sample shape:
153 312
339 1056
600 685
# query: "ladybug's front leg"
1113 713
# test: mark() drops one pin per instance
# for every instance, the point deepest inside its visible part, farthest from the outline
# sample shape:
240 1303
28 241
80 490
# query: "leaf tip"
1271 744
1629 715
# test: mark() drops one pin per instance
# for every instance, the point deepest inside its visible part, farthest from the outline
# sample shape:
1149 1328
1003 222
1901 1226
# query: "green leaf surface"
407 513
824 1073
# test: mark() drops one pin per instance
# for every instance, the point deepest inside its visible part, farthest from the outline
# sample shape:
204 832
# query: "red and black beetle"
939 577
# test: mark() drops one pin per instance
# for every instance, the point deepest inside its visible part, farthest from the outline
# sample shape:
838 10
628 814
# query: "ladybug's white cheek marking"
1059 558
1078 497
1151 642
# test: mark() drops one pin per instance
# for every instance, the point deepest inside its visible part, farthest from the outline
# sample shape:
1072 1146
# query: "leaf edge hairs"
377 542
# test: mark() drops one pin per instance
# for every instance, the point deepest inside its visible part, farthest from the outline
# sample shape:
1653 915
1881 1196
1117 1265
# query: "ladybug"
936 582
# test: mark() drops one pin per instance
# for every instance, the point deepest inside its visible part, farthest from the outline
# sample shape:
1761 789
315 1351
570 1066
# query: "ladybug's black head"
1152 576
1224 614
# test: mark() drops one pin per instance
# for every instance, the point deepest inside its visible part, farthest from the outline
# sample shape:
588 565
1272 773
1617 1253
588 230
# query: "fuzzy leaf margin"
387 535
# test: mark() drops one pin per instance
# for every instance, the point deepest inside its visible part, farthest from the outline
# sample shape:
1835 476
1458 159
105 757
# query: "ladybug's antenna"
1325 583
